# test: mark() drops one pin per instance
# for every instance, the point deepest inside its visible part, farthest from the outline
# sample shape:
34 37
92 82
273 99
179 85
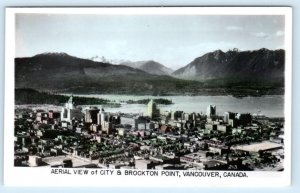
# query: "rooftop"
58 160
255 147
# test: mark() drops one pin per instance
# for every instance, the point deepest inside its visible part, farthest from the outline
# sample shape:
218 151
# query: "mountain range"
262 64
216 72
60 72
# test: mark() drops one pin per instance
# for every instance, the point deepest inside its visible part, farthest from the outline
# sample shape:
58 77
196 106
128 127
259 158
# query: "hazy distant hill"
150 67
258 65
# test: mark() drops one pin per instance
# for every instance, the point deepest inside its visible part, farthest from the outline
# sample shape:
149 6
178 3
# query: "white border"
15 176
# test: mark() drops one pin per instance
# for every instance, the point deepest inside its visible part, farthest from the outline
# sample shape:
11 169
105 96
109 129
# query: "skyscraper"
211 111
69 111
91 115
228 116
152 110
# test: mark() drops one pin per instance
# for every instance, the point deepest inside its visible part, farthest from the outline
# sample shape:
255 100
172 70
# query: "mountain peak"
150 66
218 51
264 49
52 54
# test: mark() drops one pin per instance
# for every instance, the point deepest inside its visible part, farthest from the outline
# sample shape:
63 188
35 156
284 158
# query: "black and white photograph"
175 94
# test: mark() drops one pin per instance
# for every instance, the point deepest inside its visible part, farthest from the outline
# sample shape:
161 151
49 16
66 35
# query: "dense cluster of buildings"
92 137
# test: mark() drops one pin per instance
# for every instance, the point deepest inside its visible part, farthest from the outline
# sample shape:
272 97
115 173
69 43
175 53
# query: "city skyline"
173 140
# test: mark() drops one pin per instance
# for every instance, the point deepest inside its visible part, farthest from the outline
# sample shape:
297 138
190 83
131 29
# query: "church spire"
71 100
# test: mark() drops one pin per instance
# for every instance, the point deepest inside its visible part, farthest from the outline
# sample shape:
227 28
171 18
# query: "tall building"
101 117
152 110
91 115
176 114
69 111
228 116
244 118
107 127
211 111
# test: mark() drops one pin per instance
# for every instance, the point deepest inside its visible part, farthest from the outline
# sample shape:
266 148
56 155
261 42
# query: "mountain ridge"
60 72
244 64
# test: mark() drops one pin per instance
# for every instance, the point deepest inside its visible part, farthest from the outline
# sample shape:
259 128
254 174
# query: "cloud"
234 28
267 36
262 35
279 33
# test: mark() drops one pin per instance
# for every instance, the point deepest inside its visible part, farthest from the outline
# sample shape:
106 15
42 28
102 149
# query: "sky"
172 40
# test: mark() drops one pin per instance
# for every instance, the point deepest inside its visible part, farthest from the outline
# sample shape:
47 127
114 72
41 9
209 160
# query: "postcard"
148 96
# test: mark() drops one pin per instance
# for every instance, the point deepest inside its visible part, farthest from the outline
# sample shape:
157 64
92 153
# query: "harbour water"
270 105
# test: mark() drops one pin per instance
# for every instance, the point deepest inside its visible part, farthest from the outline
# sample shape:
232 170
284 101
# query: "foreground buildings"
92 137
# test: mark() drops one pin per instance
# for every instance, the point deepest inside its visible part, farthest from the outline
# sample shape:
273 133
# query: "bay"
270 105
